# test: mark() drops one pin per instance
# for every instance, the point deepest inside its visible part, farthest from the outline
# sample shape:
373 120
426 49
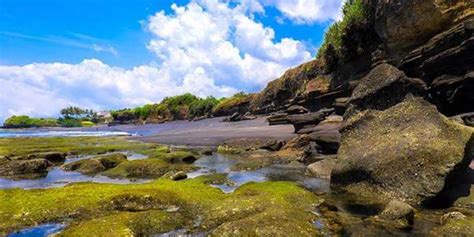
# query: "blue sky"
115 53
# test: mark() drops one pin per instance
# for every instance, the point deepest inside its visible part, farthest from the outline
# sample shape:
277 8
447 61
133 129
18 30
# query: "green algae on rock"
272 208
97 164
148 168
13 147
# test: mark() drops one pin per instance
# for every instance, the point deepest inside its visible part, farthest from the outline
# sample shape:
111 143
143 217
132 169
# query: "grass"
232 102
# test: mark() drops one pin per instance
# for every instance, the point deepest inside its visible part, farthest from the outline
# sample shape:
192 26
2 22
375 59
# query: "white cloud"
43 89
206 47
307 11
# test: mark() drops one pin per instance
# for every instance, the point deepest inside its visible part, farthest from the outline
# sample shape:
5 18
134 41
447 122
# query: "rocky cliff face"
396 75
427 39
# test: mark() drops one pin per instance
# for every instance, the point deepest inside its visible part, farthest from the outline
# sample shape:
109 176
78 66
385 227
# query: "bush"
355 13
69 122
202 107
27 122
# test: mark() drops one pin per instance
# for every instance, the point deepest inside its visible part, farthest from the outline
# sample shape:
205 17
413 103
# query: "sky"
113 54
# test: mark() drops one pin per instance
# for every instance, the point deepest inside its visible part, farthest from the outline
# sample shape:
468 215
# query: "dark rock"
273 146
278 119
384 87
448 53
398 214
24 167
340 105
452 94
466 119
409 152
322 168
179 176
51 156
296 109
234 117
237 117
301 141
248 144
328 140
299 121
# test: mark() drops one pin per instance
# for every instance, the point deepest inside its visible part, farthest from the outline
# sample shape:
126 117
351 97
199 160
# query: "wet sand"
212 132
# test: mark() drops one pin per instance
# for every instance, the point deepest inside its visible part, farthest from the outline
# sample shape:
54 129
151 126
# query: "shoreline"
207 132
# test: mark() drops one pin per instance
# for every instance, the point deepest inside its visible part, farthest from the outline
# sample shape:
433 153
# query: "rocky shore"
382 118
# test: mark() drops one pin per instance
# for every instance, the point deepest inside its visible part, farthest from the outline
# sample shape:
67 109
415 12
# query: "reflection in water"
58 177
219 163
40 230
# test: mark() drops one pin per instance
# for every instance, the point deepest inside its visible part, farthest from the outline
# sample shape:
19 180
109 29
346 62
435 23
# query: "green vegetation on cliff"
338 35
182 107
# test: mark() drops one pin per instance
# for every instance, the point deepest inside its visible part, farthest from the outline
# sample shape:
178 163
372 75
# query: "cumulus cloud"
206 47
43 89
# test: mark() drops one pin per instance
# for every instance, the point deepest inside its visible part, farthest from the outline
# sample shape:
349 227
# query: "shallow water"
9 133
40 230
58 177
220 163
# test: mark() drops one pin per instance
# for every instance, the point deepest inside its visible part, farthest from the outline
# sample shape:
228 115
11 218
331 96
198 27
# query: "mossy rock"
21 147
175 157
269 208
455 227
24 168
97 164
409 152
148 168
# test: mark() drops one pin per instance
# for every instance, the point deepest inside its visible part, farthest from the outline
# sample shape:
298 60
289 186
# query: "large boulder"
384 87
408 152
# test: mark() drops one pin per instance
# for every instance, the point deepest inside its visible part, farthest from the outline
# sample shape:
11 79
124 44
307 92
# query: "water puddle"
40 230
130 156
220 163
57 177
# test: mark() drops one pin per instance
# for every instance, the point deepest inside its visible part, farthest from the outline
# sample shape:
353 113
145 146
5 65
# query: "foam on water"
7 133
